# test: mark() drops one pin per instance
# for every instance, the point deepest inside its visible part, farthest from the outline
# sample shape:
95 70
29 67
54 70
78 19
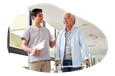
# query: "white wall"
100 19
15 17
6 19
18 61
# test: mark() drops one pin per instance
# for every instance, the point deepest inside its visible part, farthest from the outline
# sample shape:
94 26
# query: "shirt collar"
71 28
36 27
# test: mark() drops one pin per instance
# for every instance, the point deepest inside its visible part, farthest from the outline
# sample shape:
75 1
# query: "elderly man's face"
68 21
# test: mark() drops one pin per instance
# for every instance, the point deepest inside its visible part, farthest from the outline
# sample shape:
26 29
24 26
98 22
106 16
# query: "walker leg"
85 68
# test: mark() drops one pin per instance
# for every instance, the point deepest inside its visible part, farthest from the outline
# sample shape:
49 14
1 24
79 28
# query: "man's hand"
53 43
57 62
35 51
87 61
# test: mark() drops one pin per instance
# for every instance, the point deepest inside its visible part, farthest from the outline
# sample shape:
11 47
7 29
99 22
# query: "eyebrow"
40 14
66 17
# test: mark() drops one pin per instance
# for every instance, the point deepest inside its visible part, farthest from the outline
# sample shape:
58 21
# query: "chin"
41 22
66 25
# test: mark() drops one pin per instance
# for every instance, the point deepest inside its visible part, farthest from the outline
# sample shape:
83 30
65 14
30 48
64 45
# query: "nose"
65 19
42 17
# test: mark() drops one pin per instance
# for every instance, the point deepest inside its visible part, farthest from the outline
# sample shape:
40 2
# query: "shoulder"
28 28
77 29
46 29
61 32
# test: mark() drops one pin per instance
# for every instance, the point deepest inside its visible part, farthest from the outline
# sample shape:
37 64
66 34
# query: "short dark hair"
35 12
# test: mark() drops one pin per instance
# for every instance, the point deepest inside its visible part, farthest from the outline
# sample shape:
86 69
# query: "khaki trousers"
40 66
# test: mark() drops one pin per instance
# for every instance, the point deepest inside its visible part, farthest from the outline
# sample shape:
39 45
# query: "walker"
58 68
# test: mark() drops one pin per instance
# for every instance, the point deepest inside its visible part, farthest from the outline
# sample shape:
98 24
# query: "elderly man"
68 45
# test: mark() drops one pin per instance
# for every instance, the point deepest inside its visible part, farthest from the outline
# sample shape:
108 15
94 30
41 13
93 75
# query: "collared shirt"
77 42
34 36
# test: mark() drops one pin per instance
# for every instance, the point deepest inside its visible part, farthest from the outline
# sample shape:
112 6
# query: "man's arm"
25 47
53 43
83 45
84 48
57 50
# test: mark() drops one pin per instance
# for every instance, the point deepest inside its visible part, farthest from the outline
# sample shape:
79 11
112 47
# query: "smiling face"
38 18
68 21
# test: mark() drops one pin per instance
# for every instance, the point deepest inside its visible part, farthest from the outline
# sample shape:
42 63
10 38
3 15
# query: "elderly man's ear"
73 20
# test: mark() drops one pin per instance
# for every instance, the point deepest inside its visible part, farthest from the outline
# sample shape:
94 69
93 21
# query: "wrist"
31 50
57 60
55 39
87 60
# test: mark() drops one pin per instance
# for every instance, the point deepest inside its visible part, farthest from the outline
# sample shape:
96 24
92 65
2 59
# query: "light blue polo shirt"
34 36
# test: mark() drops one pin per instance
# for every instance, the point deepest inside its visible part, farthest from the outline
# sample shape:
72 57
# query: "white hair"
72 16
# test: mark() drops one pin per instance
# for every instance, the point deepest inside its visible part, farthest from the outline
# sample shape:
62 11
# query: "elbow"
22 47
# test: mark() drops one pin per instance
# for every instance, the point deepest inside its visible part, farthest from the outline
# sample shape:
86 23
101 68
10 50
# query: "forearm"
83 45
26 48
53 43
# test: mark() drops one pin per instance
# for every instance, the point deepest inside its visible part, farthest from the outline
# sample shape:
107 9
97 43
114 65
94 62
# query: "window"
52 31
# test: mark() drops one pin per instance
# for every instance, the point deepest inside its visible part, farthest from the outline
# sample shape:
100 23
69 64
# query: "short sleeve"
50 36
25 34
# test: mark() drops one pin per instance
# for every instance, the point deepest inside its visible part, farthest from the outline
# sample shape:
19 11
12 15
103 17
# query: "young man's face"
38 18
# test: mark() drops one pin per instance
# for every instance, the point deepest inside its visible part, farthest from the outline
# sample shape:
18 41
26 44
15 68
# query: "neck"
68 29
37 25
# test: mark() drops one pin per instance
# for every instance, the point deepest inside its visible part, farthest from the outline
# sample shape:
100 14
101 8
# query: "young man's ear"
33 17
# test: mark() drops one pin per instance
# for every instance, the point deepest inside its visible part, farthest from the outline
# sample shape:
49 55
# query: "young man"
32 36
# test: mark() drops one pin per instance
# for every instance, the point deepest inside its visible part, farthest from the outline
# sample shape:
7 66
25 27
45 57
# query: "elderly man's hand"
57 62
87 61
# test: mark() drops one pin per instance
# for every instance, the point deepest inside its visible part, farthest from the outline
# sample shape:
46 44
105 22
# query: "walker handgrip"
85 65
